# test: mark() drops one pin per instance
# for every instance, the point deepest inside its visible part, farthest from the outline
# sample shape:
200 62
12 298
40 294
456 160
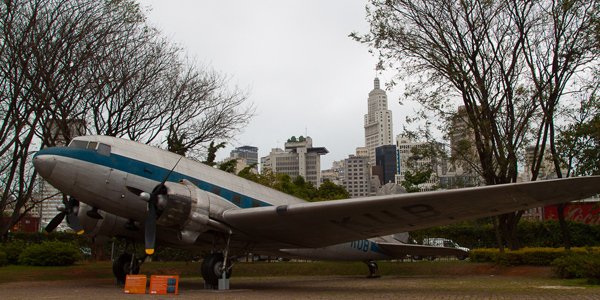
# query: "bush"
50 254
3 260
483 255
578 264
540 256
509 258
526 256
12 250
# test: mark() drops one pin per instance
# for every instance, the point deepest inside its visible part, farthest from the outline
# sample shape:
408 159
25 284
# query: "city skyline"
306 76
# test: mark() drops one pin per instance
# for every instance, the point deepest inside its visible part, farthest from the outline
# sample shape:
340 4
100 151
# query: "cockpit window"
104 149
78 144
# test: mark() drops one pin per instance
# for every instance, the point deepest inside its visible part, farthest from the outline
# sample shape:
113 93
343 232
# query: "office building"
248 153
298 158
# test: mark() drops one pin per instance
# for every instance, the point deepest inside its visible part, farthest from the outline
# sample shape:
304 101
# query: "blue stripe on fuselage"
145 170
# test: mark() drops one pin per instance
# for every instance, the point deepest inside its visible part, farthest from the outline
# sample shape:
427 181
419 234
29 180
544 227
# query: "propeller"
68 209
151 215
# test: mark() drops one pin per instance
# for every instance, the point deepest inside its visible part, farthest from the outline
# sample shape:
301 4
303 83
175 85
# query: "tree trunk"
563 225
498 237
508 223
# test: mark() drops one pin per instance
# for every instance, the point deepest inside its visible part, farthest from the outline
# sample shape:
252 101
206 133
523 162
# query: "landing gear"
373 269
124 265
212 269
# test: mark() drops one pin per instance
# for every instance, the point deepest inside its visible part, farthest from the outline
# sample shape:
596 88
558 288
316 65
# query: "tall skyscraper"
378 121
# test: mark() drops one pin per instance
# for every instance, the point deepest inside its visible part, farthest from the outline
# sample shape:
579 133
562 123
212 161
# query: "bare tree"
98 63
493 57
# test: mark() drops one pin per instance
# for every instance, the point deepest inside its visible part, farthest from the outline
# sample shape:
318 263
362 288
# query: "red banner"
588 213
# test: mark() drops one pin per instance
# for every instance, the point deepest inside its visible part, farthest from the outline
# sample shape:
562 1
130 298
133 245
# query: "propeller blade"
173 169
74 223
54 222
150 232
72 220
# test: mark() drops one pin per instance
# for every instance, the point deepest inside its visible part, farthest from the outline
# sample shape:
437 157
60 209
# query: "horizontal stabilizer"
400 250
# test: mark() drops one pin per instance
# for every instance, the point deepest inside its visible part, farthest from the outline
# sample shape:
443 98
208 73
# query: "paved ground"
331 287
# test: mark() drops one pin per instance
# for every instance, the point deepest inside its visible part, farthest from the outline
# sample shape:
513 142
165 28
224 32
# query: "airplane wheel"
462 257
211 268
417 257
430 258
121 267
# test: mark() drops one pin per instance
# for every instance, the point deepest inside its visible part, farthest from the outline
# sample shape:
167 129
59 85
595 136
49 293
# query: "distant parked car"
257 257
442 242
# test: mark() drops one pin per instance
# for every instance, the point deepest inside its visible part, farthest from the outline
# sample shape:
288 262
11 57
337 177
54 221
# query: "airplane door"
116 180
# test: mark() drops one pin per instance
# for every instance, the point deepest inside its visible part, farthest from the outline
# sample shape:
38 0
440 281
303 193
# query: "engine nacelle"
184 208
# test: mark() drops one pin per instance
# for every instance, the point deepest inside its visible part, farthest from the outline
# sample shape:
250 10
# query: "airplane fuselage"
97 170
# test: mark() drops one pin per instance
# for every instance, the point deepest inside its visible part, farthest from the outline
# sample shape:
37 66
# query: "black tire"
417 257
462 257
121 267
211 268
430 258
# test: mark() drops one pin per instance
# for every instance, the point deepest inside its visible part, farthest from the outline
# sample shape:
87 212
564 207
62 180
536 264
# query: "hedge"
3 260
525 256
480 234
49 254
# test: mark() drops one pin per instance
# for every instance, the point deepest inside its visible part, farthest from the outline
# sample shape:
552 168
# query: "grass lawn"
15 273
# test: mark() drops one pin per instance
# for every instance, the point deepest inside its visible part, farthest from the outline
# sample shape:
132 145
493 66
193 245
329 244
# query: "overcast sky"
305 74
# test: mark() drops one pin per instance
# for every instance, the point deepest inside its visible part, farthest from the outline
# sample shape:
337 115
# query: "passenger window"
237 199
215 191
92 145
78 144
104 149
255 204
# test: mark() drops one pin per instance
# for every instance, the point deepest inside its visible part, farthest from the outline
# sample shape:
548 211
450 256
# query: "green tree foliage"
331 191
212 153
412 181
176 143
228 166
298 187
578 143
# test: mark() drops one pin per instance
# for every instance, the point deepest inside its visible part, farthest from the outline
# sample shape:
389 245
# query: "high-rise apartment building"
298 158
378 121
357 176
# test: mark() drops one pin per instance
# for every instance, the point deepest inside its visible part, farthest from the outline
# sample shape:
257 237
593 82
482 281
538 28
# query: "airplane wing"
399 250
320 224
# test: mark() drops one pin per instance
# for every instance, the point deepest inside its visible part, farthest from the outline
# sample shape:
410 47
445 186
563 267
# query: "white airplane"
139 192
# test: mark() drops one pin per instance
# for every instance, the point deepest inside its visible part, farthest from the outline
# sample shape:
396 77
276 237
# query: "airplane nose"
44 165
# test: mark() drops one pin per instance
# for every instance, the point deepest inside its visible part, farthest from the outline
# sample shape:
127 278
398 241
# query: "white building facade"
298 158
